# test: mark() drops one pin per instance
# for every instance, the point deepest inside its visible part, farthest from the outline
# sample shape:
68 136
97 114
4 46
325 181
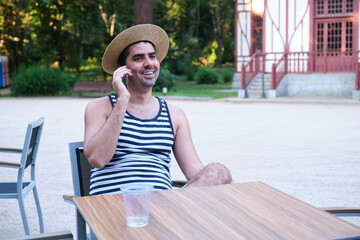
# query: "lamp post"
164 91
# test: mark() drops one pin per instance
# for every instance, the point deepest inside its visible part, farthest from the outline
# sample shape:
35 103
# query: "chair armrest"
342 211
11 150
10 164
178 183
46 236
69 199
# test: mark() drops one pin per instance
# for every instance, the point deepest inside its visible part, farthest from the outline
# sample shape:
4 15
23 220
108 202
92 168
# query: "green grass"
192 89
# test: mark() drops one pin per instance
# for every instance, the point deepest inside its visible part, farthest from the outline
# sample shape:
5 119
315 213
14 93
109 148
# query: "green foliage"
68 32
37 81
191 30
206 76
14 37
227 74
165 79
191 73
222 12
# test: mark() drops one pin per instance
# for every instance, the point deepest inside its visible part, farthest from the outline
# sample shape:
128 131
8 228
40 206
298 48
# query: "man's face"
143 64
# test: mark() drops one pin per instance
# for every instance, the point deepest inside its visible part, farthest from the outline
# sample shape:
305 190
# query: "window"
349 6
333 7
257 31
349 37
334 37
320 37
320 7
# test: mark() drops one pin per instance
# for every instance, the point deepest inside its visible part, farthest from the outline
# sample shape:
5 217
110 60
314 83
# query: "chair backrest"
80 168
32 141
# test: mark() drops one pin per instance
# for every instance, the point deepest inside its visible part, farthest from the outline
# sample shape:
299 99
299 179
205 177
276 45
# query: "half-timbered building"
297 48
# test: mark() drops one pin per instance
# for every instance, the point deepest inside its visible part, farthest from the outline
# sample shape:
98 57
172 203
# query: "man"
129 135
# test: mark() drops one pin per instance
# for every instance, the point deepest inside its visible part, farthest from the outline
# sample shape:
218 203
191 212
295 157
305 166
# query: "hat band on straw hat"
142 32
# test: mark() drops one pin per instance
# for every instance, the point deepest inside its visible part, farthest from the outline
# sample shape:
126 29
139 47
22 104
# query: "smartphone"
126 80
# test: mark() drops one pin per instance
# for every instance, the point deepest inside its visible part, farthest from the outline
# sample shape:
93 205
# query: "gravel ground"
308 148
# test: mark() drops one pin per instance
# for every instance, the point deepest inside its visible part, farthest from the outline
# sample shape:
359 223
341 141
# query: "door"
334 36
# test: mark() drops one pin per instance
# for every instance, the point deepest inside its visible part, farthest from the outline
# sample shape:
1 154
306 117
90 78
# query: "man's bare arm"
184 150
101 131
103 123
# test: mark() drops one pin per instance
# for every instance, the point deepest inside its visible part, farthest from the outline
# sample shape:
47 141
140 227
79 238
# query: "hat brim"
142 32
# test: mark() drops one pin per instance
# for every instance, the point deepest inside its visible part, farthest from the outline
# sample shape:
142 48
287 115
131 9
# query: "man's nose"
147 61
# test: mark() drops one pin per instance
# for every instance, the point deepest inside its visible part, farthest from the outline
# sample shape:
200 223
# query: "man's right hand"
118 84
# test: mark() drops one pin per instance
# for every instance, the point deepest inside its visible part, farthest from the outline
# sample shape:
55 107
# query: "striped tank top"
142 154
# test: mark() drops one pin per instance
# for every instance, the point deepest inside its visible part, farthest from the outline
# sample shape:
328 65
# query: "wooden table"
234 211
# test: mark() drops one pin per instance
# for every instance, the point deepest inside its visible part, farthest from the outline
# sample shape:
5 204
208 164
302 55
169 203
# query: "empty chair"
21 188
61 235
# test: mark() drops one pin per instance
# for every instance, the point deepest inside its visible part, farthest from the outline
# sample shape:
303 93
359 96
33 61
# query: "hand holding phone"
119 83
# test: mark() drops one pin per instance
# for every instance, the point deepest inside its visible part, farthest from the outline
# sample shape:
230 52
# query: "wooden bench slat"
103 87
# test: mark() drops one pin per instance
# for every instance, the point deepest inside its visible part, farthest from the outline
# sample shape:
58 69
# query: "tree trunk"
143 11
216 17
219 51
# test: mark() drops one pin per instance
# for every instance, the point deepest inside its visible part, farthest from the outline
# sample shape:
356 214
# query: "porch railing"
357 77
309 62
250 69
278 71
279 64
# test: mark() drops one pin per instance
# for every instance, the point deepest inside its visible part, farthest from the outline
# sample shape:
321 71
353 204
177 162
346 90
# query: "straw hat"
142 32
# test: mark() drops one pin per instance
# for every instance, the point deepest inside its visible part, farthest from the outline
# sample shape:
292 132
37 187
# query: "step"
256 94
260 84
256 88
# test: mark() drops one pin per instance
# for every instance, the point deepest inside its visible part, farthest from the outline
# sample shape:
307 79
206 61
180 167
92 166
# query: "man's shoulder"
98 102
174 109
178 116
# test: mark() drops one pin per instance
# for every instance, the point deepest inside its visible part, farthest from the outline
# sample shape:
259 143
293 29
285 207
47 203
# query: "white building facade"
305 48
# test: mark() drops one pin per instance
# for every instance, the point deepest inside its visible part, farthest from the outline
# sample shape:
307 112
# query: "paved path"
308 148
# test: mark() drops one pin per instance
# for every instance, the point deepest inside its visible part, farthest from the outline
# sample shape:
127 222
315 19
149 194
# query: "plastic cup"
137 203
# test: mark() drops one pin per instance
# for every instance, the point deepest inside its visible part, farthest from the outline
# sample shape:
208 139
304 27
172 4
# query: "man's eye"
153 56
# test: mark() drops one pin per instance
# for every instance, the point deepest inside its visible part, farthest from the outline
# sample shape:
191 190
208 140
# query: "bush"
37 81
165 79
206 75
227 74
191 73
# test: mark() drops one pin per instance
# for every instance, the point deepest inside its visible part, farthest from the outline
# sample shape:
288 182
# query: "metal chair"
81 171
62 235
21 188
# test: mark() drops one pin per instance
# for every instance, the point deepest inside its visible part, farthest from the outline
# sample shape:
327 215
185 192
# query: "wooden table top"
234 211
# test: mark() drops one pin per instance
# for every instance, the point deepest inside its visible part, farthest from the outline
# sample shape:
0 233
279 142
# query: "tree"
143 11
219 15
196 30
15 32
188 28
69 32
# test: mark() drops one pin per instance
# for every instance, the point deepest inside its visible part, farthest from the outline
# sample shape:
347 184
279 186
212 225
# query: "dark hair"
125 53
